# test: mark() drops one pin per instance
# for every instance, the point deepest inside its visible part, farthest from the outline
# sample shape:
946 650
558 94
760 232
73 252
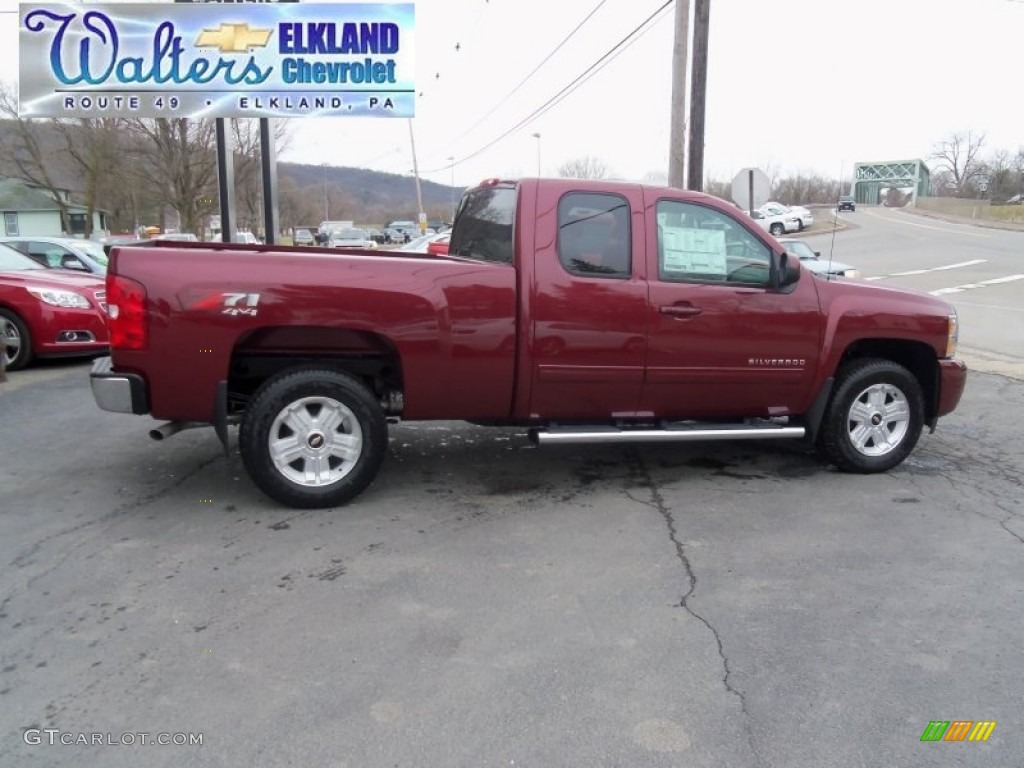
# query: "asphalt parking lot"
490 603
487 602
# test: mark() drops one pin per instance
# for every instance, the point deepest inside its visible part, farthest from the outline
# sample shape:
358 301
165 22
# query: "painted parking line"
982 284
944 267
927 226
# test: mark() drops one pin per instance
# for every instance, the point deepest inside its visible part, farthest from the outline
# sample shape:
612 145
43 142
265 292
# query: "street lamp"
537 137
452 190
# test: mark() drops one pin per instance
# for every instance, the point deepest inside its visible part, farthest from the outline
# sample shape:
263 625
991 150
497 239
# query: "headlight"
57 298
952 334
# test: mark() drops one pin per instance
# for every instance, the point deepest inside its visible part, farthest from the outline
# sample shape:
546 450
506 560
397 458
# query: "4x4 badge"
241 303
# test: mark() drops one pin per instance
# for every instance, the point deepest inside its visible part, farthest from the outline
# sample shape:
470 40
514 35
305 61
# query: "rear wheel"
313 438
777 229
875 417
15 341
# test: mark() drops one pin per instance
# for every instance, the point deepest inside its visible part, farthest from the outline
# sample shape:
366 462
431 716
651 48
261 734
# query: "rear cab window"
593 235
484 224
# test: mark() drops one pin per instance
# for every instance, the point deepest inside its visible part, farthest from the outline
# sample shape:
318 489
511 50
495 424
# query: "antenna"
835 222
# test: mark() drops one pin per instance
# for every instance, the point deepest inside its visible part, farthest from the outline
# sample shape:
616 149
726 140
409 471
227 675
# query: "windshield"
800 249
93 251
351 234
483 226
12 261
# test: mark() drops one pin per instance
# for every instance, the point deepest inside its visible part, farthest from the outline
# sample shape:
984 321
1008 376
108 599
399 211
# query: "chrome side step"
669 434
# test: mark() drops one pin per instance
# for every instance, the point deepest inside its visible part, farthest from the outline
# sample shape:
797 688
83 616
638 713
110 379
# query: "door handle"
677 310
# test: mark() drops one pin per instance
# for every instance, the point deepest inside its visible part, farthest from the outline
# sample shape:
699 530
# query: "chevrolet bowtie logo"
233 38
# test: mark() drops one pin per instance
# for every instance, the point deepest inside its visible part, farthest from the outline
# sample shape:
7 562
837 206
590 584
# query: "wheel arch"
261 354
917 357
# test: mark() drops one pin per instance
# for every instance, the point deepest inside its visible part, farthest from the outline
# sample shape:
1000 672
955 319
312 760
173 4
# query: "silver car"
811 259
62 252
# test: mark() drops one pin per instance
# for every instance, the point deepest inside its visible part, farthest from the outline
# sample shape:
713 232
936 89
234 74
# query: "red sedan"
49 312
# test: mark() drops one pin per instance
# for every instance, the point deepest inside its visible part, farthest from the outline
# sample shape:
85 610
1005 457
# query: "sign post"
751 189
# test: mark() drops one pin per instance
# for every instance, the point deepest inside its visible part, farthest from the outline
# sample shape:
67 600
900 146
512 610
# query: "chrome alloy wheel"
878 420
10 341
315 441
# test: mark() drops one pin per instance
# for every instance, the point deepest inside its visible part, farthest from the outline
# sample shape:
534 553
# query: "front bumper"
952 380
117 392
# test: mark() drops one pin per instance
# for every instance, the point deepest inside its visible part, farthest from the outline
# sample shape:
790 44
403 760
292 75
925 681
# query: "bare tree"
719 188
248 179
957 155
583 168
656 178
177 159
92 145
28 155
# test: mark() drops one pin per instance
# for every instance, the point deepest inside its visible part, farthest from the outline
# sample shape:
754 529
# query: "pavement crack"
24 558
658 503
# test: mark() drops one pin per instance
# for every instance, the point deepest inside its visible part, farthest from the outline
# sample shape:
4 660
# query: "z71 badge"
224 303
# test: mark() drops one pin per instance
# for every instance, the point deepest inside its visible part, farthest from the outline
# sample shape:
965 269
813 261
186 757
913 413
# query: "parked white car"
351 238
803 215
776 224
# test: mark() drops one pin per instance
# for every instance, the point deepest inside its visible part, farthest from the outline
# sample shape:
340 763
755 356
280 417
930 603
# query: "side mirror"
787 271
817 254
70 262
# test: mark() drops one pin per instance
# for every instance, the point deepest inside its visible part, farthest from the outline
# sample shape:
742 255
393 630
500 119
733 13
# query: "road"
489 603
979 270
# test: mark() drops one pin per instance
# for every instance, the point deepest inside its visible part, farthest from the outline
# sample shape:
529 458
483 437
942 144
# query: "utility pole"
677 129
451 193
416 171
698 90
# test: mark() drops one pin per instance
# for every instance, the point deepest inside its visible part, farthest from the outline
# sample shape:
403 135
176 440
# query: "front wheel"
15 341
875 416
313 438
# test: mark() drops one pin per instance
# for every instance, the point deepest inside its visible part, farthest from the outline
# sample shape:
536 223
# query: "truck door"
589 305
723 343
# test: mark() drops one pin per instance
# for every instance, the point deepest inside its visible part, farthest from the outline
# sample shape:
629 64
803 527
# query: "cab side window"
594 236
700 244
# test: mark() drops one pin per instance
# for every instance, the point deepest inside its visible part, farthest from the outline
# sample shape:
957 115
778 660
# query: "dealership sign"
216 60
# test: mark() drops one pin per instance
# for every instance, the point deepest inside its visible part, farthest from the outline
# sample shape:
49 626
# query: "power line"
533 72
608 56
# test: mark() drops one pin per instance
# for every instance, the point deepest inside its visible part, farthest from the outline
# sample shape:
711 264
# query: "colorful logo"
233 38
958 730
216 60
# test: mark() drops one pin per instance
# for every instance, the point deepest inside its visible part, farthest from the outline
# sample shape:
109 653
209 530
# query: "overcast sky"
804 85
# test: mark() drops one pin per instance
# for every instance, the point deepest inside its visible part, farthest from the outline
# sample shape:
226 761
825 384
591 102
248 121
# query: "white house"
29 210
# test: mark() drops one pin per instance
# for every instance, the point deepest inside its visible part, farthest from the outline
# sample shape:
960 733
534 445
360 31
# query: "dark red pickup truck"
584 311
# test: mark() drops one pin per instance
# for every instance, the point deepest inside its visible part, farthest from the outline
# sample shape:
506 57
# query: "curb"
982 361
1006 226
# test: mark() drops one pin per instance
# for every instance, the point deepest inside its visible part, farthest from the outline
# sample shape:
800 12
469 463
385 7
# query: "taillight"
126 308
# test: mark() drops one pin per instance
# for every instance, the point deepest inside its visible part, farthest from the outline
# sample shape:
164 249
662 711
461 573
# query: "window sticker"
693 251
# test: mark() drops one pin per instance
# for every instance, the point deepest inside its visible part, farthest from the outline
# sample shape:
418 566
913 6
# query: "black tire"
873 442
777 229
314 397
800 225
16 346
